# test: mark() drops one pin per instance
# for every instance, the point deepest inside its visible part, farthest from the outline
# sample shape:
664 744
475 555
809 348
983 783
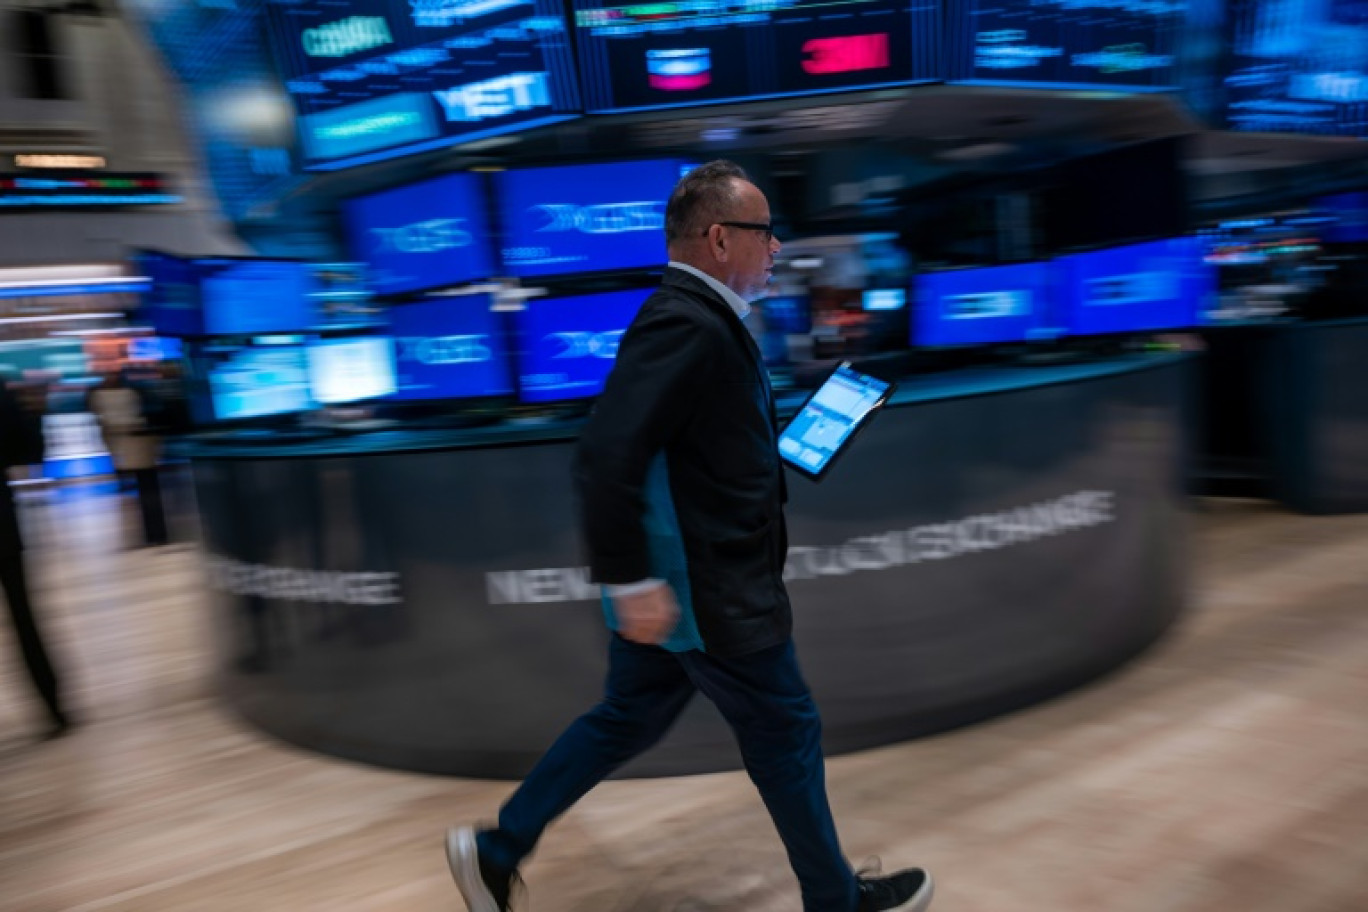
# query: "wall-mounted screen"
255 381
635 57
1298 66
372 79
585 218
351 369
452 348
569 345
422 236
981 306
251 297
1136 288
1117 44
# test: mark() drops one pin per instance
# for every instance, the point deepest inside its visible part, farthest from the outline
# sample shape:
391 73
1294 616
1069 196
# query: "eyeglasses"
766 229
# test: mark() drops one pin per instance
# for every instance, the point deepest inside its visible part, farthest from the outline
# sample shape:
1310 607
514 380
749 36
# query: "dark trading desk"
417 599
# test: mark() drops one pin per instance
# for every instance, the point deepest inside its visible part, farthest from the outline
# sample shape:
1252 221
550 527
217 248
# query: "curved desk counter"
417 600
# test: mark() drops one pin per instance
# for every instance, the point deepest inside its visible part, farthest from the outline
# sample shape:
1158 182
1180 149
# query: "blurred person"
135 447
681 491
21 444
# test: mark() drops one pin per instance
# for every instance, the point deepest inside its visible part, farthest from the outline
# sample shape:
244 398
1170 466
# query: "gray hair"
703 197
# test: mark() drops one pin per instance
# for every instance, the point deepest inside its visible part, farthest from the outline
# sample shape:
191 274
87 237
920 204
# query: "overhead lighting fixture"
62 318
61 161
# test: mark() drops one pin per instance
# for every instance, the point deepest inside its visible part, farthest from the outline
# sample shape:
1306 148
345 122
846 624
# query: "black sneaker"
906 891
484 887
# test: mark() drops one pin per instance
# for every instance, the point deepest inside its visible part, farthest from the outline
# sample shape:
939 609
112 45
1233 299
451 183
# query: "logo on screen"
431 236
438 350
847 54
347 36
497 97
987 304
682 70
586 344
606 218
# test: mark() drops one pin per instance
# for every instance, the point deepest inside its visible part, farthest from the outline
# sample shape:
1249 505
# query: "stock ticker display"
1124 44
1298 66
688 52
376 78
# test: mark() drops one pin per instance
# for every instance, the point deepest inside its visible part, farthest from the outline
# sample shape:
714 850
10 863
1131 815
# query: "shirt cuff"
618 590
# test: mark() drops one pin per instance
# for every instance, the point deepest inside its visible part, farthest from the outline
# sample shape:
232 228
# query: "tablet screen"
830 418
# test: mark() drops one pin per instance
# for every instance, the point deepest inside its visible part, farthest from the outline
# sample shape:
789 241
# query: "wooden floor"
1226 771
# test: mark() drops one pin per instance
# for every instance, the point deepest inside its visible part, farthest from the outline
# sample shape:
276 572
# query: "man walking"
681 495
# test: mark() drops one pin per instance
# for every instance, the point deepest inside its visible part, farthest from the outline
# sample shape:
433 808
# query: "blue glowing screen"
1136 288
639 56
1298 66
569 344
422 236
981 306
250 297
376 78
585 218
1123 44
451 348
256 381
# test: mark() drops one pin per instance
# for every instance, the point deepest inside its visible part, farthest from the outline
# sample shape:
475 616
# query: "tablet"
827 422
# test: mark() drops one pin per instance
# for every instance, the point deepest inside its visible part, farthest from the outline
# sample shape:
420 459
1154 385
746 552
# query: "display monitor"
244 297
1297 67
171 305
568 345
1349 214
426 235
673 55
877 299
255 381
981 306
372 79
351 369
1118 44
450 348
585 218
154 348
1137 288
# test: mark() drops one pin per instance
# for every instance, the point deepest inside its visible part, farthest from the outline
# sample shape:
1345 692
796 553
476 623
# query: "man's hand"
647 617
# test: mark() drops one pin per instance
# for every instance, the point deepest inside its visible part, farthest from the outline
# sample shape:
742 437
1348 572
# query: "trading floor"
1224 771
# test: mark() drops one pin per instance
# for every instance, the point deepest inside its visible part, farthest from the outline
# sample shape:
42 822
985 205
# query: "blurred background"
302 303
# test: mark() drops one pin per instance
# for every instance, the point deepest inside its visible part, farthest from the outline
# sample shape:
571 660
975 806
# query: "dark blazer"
678 472
12 430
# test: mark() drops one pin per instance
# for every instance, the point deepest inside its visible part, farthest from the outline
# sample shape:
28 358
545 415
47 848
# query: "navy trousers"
767 704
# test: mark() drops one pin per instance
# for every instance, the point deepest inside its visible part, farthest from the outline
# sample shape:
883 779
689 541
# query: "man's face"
750 252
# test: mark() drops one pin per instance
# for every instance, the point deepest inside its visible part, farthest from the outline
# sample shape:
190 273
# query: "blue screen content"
1122 44
172 304
450 349
981 306
371 79
258 381
673 55
250 297
1349 212
817 433
1136 288
423 236
585 218
569 344
1297 66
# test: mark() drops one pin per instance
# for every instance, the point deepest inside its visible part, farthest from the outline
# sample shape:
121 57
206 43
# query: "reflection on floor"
1227 770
